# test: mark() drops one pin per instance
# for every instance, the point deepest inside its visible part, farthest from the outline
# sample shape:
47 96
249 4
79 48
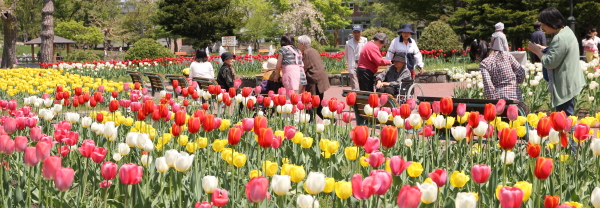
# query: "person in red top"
370 60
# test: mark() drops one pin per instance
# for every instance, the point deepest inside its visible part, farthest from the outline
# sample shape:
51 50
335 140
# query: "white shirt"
202 70
352 50
397 47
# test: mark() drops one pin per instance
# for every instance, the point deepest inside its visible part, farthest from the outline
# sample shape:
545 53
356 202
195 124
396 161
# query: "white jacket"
396 46
351 56
202 70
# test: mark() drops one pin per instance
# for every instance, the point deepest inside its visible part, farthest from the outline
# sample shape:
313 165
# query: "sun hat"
357 28
406 28
400 57
270 64
499 26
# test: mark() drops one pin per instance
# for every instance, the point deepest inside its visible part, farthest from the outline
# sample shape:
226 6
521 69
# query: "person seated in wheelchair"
389 81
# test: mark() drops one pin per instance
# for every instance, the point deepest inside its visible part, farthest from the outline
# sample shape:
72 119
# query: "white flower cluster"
471 79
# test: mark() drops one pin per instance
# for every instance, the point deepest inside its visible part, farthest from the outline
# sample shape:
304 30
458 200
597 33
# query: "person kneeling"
389 80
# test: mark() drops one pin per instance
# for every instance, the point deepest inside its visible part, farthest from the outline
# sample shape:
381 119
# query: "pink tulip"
108 170
461 109
12 105
363 189
398 165
42 150
383 99
569 125
411 103
144 91
481 173
30 157
407 125
385 181
204 204
427 131
4 103
276 143
51 165
64 151
63 125
32 121
125 103
340 108
10 125
512 112
101 88
500 106
87 147
372 144
64 178
582 131
21 143
289 132
5 145
98 154
136 106
71 138
248 124
439 176
220 197
347 117
131 174
510 197
105 184
325 102
237 83
256 189
375 159
435 106
409 197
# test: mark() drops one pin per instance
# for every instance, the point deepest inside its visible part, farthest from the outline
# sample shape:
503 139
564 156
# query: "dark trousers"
388 90
366 79
568 107
534 58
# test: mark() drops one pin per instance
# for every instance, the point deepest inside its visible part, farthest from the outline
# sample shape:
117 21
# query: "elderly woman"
562 61
501 73
369 62
290 65
316 76
405 44
201 67
389 80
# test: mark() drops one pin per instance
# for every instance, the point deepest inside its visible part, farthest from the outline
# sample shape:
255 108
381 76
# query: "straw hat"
270 64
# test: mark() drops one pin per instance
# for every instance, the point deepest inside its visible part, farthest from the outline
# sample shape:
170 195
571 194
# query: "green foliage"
369 33
418 10
29 18
439 36
147 48
76 31
260 17
331 40
82 56
387 14
333 13
317 46
137 22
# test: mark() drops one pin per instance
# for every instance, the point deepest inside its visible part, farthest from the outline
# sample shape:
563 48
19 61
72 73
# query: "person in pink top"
370 60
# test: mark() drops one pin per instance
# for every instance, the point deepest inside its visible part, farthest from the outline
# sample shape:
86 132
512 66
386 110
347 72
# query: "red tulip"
141 115
409 197
109 170
375 159
64 178
42 150
306 97
559 120
500 106
156 115
87 147
581 131
51 165
259 123
533 150
351 98
543 167
427 131
359 135
363 189
208 124
246 91
98 154
398 165
30 157
489 112
461 109
474 119
99 117
231 92
175 84
508 138
333 104
265 137
404 111
389 134
374 100
78 91
175 130
544 126
372 144
425 110
205 106
220 197
194 124
256 189
294 98
115 94
180 117
20 143
510 197
347 117
250 104
148 106
565 206
446 105
439 176
512 112
131 174
384 181
234 136
436 107
315 101
551 201
105 184
481 173
64 150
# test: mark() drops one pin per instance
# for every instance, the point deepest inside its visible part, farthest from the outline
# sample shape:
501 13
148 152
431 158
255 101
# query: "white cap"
270 64
499 26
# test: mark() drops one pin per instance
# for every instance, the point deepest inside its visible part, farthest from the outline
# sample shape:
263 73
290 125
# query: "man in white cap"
353 48
499 34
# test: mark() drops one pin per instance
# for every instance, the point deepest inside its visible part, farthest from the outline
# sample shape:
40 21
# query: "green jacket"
562 60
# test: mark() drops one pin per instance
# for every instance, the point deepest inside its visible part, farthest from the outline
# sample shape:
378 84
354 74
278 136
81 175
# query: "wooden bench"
181 53
478 104
362 99
203 83
263 50
158 83
137 77
182 80
345 75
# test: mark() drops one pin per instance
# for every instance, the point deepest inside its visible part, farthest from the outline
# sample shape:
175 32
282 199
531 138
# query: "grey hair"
304 40
382 37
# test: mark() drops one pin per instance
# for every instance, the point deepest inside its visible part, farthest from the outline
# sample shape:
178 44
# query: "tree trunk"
335 37
9 21
47 34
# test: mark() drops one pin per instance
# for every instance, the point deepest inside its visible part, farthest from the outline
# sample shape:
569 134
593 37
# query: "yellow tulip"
286 168
279 133
521 131
191 147
270 168
201 142
496 121
329 185
387 166
564 157
502 125
343 189
226 154
574 119
459 179
351 152
323 144
326 155
598 116
297 137
285 160
541 114
363 161
332 147
533 119
306 142
575 204
463 119
225 123
430 120
428 180
297 174
255 173
449 122
526 187
218 145
182 140
587 120
239 159
415 169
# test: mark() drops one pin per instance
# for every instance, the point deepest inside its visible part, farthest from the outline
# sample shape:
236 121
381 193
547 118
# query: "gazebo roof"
57 40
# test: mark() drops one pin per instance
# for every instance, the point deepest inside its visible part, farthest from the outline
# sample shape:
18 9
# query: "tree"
82 35
303 18
439 36
260 16
138 23
333 13
106 15
29 17
419 10
202 21
11 28
388 15
47 34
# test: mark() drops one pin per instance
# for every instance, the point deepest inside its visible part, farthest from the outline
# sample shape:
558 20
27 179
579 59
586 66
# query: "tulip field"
70 140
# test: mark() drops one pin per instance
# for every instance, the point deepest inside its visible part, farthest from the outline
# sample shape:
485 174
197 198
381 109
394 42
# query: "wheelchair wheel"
413 91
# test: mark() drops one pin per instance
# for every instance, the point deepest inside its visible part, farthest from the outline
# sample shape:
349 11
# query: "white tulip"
279 109
287 108
465 200
161 165
326 113
210 183
439 122
260 113
97 128
184 162
207 95
171 156
554 136
591 98
315 183
414 119
320 128
368 110
428 192
595 146
148 146
383 117
48 102
72 117
534 82
534 138
481 129
304 117
131 138
271 104
480 85
86 122
595 198
281 184
57 108
326 122
459 133
123 149
110 131
408 142
238 98
146 160
117 157
220 97
305 201
507 157
163 93
316 204
398 122
141 140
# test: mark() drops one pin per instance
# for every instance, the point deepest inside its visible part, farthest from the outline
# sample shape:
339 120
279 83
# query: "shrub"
317 46
148 48
82 56
369 33
439 36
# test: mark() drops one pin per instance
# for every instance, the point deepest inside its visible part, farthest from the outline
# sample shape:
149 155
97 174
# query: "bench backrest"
156 80
180 78
362 99
478 104
180 53
136 77
203 83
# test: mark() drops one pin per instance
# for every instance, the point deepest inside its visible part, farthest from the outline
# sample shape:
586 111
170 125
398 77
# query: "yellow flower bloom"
459 179
587 120
415 169
306 142
255 173
239 159
533 119
351 152
363 161
521 131
182 140
428 180
463 119
201 142
226 155
297 173
430 120
219 144
575 204
279 133
323 144
526 187
225 123
476 149
285 160
329 185
191 147
297 137
343 189
449 122
564 157
286 168
502 125
270 168
387 166
541 114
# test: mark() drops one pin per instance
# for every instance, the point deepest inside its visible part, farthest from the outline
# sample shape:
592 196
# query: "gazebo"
57 40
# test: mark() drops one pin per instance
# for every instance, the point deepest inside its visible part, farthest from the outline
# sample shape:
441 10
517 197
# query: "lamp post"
571 19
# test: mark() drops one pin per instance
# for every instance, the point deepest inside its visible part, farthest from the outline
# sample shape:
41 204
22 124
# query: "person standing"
201 68
405 44
226 75
353 48
537 37
590 47
500 34
561 60
289 65
370 60
316 76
